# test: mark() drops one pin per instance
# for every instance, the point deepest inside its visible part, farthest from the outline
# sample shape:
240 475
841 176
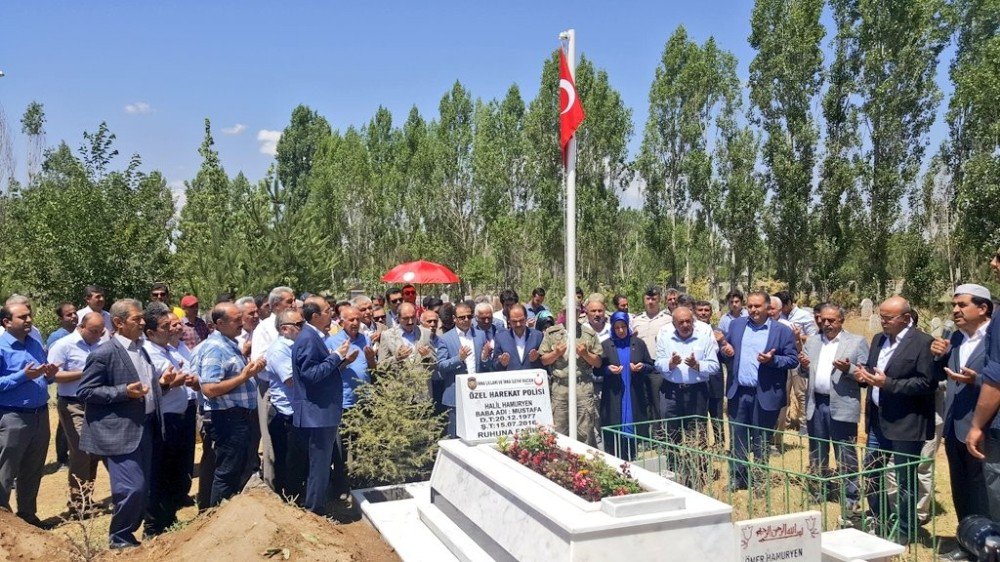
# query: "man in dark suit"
517 347
458 353
902 377
983 439
317 396
963 357
758 353
122 398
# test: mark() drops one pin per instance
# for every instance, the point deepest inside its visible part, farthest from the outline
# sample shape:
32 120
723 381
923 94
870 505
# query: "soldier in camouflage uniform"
554 357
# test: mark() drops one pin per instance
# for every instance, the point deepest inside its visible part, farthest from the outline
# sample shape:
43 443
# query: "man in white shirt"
833 396
70 355
685 360
251 319
266 332
93 296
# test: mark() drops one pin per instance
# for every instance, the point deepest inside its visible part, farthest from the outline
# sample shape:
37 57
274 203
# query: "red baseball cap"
188 301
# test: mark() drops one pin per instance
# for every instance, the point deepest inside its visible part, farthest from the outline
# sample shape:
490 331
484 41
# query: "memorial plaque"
489 405
794 537
867 306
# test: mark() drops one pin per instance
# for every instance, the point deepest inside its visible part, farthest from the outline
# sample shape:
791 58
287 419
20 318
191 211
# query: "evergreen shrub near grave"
588 477
392 430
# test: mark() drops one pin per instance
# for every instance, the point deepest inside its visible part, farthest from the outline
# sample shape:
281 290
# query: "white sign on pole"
793 537
488 405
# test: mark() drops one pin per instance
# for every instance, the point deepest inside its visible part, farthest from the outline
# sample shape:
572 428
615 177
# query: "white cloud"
236 129
179 193
268 141
138 108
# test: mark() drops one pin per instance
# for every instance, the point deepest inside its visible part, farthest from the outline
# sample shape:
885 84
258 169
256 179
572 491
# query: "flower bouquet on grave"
588 477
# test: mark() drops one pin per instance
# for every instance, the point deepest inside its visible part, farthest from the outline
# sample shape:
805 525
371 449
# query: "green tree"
785 78
33 127
296 151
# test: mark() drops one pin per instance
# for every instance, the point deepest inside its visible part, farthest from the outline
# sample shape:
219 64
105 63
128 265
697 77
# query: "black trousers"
291 456
968 482
172 469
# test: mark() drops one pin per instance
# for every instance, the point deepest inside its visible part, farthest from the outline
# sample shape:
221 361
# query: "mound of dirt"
20 541
258 525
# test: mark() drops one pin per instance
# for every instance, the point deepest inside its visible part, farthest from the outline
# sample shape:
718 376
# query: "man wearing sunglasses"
394 298
290 451
460 352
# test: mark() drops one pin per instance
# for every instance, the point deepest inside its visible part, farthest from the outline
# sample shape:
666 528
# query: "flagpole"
571 314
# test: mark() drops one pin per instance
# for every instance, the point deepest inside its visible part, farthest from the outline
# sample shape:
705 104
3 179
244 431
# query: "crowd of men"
265 381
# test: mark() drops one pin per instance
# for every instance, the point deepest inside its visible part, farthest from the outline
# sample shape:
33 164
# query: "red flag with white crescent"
570 109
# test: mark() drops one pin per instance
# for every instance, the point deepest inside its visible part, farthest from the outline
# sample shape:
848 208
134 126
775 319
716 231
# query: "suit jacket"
641 389
450 363
960 399
318 390
845 392
504 343
392 339
113 422
906 401
772 377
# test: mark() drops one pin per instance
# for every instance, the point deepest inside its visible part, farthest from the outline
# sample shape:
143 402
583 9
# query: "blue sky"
154 71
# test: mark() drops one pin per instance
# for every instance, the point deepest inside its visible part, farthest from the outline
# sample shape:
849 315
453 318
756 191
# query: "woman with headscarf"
627 393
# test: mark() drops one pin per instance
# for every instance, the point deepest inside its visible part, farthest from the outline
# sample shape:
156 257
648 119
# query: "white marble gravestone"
486 506
867 306
874 324
795 537
488 405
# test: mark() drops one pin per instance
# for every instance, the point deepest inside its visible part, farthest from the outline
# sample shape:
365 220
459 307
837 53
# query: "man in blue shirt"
758 353
353 374
290 450
985 424
230 391
24 412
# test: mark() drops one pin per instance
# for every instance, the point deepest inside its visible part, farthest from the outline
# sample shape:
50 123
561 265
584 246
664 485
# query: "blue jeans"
236 433
879 450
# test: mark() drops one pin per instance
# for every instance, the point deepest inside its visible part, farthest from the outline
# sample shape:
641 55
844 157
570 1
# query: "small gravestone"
794 537
874 324
866 308
489 405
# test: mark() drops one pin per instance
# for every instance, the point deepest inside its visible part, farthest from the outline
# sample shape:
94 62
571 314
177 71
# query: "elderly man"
70 355
229 388
24 412
251 318
459 352
833 396
900 412
173 444
266 332
686 360
555 355
484 321
353 373
983 439
196 330
758 352
122 394
963 356
597 317
407 341
516 347
318 393
290 450
803 326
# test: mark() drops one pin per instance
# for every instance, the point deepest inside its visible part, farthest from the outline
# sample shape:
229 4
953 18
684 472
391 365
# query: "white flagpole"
571 314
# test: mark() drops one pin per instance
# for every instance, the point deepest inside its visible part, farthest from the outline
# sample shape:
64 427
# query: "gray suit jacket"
392 339
113 422
960 399
845 394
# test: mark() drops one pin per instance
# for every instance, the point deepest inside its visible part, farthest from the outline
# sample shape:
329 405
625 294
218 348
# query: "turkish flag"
570 109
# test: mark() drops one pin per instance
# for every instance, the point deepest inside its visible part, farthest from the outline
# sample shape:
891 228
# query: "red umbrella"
420 271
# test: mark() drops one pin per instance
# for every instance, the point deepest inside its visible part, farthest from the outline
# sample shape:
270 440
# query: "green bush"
392 429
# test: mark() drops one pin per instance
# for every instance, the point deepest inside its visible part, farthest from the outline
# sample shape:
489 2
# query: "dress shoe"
958 554
122 545
34 521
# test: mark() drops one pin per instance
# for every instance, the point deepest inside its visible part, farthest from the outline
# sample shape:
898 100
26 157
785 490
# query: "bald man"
902 376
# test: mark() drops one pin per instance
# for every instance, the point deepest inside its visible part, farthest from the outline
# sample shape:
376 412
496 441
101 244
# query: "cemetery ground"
258 525
255 525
